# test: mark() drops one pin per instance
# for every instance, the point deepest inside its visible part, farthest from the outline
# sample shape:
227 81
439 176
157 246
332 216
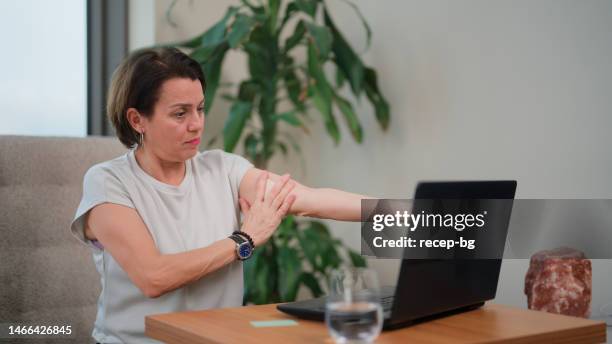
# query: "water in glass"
353 310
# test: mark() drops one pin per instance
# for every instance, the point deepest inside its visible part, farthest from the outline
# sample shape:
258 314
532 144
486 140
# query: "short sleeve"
100 185
236 167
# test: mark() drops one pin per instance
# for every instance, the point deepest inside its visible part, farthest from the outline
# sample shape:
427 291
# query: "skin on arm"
322 203
124 235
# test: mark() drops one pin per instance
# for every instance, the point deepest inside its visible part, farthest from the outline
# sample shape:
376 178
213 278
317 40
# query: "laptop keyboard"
387 302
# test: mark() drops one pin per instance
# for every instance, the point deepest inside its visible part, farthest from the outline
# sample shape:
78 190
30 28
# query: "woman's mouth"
194 142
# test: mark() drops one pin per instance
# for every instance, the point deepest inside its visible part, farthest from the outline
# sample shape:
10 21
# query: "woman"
163 218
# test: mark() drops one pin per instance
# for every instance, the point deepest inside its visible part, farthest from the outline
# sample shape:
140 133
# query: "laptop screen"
430 286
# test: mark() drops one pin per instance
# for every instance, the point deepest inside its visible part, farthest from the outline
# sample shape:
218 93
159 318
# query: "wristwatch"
244 249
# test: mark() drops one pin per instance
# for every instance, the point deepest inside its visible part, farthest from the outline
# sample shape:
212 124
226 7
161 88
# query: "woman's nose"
196 123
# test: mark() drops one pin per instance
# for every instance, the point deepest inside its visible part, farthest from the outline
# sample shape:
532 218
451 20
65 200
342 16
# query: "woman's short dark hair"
137 81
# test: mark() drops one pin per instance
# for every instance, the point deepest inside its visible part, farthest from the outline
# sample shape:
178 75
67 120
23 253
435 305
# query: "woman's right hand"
265 214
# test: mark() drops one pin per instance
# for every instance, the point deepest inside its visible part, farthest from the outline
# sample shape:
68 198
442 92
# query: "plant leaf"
356 259
288 117
346 59
339 78
169 12
381 106
294 88
320 228
240 29
331 258
239 113
308 6
273 7
263 274
248 90
250 271
259 12
283 148
311 282
287 229
211 141
323 104
250 5
322 93
318 246
203 53
364 22
290 269
296 36
262 51
212 70
289 11
322 38
250 146
309 243
229 97
261 278
350 117
212 36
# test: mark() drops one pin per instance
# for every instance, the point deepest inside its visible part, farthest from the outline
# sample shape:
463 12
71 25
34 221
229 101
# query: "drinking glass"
353 312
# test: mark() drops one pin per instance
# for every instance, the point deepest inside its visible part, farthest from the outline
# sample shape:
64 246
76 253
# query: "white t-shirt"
201 210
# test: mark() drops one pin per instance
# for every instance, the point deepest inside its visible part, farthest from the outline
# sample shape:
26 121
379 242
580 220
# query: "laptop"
433 288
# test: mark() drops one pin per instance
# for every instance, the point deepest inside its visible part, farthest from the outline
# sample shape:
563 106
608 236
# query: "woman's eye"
179 114
201 110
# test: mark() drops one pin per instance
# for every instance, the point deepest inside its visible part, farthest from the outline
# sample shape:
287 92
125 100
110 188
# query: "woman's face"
173 132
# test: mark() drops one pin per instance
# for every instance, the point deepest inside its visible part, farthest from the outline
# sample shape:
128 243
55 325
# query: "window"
43 83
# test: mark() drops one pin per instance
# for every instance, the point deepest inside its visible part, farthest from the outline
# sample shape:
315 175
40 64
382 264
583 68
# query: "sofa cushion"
48 276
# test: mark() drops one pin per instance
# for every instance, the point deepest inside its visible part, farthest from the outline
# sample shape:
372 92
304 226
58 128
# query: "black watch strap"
238 239
246 236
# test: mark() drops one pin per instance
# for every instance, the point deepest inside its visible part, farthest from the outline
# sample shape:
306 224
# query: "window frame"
107 46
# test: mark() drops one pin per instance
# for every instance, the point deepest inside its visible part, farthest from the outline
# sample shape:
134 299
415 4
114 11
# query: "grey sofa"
47 276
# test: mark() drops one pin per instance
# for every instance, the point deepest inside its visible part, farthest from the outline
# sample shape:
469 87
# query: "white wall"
141 21
479 89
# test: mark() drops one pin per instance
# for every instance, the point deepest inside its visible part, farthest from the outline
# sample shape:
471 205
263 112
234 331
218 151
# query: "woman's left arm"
324 203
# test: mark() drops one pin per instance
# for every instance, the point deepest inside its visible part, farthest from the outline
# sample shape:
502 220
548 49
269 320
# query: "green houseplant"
288 45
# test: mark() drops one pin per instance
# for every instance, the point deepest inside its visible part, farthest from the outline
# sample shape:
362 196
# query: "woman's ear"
135 119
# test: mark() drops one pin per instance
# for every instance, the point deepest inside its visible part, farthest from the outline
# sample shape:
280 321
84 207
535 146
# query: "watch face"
245 250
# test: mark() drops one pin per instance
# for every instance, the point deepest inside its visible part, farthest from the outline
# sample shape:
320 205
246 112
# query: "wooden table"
489 324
